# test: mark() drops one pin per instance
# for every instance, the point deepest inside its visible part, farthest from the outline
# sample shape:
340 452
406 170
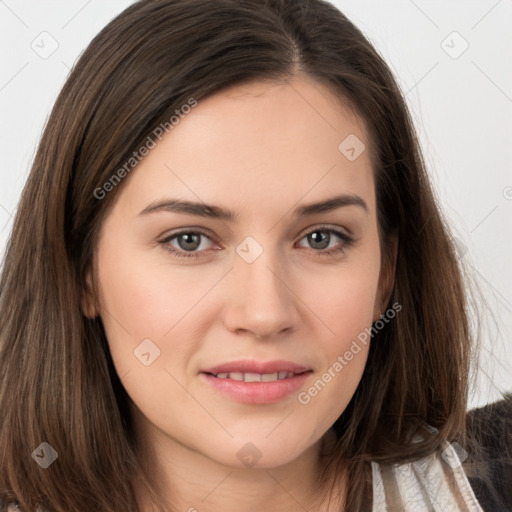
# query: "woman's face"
268 289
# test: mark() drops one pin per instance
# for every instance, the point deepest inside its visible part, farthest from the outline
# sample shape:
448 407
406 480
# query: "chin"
260 453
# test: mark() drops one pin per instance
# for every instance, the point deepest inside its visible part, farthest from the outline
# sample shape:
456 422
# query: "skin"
261 150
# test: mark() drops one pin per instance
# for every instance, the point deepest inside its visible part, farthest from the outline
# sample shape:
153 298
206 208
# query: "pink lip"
247 365
257 392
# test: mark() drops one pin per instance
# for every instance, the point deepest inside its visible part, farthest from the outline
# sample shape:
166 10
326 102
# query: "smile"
256 388
255 377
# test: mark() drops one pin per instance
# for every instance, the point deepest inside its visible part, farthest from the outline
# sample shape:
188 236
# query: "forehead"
276 142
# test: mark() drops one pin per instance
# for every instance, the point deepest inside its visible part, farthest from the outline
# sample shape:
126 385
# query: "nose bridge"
261 302
262 276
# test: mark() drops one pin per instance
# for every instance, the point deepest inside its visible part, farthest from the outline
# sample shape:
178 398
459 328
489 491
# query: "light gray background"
460 98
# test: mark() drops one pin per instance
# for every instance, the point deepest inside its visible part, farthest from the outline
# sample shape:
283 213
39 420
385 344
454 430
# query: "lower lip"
257 392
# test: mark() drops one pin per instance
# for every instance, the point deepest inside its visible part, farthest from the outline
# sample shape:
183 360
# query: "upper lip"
262 367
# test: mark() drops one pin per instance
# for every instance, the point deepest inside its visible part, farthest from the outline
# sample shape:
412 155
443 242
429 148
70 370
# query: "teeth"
252 377
255 377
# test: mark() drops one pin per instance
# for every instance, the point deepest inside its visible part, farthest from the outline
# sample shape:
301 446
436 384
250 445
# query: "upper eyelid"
327 227
184 231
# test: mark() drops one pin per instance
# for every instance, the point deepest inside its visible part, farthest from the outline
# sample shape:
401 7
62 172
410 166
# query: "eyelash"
347 242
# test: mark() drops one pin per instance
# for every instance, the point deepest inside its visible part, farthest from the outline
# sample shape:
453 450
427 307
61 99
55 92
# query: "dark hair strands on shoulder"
57 380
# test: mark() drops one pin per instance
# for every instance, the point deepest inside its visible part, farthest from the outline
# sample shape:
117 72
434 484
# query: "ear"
88 299
387 276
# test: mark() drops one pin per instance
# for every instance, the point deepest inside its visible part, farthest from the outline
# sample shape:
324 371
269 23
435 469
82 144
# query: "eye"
323 238
190 244
186 243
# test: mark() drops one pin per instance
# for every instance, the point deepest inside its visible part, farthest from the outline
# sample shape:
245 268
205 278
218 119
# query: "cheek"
141 310
152 321
345 305
346 311
147 299
344 300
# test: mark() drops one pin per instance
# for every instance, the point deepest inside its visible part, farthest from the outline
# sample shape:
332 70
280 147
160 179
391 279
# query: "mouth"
254 382
256 377
254 367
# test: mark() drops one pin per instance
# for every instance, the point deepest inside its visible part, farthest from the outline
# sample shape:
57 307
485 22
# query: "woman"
228 284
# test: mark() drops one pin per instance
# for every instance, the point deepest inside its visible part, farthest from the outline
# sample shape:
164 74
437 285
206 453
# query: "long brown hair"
57 381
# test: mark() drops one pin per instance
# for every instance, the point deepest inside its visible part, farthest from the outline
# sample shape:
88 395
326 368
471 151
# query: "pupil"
322 240
189 241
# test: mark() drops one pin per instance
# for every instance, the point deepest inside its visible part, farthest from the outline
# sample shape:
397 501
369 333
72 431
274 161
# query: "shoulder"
489 462
435 482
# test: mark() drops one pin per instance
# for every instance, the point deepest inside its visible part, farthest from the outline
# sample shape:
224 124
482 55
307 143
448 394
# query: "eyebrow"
216 212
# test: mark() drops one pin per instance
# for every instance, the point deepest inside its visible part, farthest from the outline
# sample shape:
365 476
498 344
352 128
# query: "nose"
260 299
